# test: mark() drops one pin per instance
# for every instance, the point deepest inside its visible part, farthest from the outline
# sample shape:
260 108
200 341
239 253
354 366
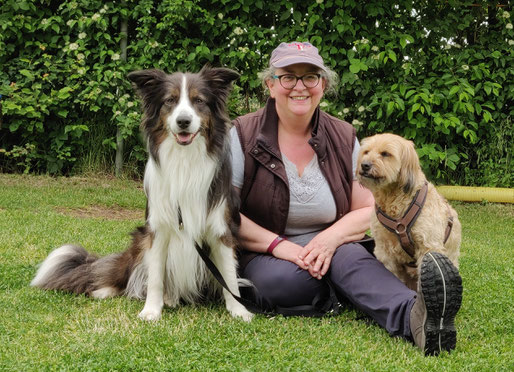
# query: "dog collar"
180 222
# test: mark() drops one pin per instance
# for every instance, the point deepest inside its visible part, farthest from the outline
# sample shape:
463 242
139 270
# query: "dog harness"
402 227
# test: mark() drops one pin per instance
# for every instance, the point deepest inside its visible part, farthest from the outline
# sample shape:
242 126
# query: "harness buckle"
400 228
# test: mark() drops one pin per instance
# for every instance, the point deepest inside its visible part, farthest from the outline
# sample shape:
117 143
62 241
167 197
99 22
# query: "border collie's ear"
145 81
219 79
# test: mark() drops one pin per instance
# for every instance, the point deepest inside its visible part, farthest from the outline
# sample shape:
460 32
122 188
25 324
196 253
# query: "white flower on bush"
117 113
364 41
339 113
319 1
447 46
361 108
82 35
375 48
73 46
115 57
457 46
323 104
405 66
238 31
69 23
81 71
80 56
465 67
511 42
95 17
130 104
508 26
357 122
220 15
506 14
44 21
154 44
346 110
102 11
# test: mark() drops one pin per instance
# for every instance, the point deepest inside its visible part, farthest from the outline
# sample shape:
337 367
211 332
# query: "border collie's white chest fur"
179 181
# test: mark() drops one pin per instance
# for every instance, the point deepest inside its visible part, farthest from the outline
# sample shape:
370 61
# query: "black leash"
331 306
250 306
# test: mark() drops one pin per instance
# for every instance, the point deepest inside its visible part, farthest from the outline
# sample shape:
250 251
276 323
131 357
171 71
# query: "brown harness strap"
403 226
448 229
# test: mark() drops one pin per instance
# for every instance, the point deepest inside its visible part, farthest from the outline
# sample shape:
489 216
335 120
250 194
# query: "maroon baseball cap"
287 54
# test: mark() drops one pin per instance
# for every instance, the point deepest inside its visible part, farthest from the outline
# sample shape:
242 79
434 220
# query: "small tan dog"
388 165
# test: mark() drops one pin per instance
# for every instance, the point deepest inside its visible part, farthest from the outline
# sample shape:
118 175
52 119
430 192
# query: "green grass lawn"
42 330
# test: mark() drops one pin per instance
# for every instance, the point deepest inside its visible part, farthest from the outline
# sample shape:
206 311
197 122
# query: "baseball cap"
287 54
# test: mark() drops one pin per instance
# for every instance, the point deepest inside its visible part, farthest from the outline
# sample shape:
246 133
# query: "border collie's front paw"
150 314
240 312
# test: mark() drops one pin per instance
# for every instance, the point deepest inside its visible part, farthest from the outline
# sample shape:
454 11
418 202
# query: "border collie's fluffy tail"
71 268
67 268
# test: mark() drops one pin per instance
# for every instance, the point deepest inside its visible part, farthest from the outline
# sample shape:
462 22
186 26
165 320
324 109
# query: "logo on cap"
299 46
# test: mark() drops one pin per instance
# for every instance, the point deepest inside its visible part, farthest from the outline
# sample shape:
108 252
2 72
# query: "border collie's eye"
198 100
170 100
385 154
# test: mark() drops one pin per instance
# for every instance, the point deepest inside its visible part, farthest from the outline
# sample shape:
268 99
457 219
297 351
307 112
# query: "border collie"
189 200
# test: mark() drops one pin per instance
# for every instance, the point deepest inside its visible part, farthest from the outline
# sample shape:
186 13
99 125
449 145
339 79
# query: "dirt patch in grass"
103 212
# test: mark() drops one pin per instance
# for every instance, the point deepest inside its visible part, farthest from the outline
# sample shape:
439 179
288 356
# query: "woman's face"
299 101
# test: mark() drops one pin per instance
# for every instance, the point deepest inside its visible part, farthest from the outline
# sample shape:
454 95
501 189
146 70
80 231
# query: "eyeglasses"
289 81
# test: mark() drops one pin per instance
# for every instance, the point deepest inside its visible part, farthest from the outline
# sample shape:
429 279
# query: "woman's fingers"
305 251
319 267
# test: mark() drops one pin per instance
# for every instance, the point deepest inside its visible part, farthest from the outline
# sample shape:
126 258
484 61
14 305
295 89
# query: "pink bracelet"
275 242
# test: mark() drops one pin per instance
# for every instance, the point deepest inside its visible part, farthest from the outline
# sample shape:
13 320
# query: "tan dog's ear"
410 168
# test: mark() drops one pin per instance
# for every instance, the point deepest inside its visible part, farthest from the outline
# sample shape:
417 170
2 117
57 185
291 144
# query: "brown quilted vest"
265 191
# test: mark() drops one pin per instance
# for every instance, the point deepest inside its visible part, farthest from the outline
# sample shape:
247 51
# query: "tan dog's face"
387 160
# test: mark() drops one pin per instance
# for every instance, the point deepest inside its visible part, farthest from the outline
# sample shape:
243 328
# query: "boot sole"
441 285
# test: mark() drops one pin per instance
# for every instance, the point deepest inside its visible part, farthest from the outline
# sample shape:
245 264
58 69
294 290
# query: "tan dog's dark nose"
366 166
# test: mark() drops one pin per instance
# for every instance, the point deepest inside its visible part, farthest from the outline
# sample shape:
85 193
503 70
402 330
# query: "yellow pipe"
477 194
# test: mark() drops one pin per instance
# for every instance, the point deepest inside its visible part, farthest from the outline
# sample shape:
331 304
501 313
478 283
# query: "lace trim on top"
304 188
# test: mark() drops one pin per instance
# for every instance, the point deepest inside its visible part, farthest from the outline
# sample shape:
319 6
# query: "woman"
302 211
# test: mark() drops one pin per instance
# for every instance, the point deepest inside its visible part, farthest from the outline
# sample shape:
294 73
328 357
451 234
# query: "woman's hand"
317 255
289 251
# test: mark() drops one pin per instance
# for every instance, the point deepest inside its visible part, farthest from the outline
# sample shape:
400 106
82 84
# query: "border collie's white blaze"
190 199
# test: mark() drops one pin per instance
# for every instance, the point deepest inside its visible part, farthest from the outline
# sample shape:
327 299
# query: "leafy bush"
436 73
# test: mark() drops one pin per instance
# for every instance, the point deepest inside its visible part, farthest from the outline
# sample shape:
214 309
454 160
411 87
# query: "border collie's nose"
366 166
183 120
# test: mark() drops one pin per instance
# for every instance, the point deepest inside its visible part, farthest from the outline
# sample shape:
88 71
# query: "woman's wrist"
279 239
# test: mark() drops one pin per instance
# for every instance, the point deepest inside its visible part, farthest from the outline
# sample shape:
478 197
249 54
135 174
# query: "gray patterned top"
312 207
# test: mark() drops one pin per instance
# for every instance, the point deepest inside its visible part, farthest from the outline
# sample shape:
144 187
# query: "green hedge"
439 73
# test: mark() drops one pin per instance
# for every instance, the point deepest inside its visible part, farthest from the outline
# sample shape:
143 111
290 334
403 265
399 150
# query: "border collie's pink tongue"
184 138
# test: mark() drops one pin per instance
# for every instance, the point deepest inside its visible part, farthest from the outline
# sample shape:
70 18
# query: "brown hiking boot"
438 301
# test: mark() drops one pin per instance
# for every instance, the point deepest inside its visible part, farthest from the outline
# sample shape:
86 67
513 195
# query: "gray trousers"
357 277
